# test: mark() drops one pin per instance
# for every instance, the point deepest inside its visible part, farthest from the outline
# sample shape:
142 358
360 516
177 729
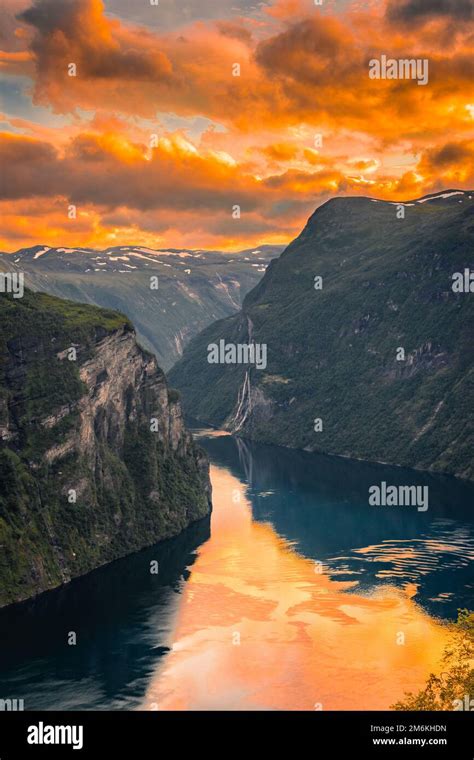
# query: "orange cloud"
452 164
314 70
132 152
181 194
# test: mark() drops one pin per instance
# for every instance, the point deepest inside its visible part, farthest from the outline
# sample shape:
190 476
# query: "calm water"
296 594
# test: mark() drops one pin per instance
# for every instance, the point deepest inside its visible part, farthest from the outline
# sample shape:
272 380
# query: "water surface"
299 595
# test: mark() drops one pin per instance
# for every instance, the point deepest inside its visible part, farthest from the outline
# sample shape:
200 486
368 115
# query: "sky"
223 125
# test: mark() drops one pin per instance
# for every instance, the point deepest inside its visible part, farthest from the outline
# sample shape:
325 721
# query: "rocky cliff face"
370 347
95 460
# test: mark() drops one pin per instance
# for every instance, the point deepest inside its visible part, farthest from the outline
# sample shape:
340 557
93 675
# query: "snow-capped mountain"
194 287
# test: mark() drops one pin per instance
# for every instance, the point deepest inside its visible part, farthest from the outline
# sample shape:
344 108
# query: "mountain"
335 347
194 287
95 461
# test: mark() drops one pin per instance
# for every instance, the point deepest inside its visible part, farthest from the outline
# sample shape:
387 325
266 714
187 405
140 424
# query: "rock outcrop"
95 459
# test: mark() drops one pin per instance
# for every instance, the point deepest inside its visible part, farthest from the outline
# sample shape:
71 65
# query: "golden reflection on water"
259 627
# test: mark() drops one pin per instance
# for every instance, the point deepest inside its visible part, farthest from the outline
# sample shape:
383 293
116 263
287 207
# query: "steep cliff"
370 346
95 461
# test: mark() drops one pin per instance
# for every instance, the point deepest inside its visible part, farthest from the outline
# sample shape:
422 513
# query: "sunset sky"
155 140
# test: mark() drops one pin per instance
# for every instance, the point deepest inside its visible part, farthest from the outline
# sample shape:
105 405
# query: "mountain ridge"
332 352
191 288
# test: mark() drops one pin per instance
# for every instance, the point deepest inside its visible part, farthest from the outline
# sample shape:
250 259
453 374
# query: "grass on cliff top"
72 315
33 331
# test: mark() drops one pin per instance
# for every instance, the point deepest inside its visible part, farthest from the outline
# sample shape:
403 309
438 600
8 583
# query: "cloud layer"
155 139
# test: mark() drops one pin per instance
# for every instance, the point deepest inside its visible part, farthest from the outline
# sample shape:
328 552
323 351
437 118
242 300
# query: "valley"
170 295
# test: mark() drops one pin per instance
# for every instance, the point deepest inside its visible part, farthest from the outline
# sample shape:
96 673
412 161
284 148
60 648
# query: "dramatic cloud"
422 11
452 164
28 167
76 33
315 71
169 119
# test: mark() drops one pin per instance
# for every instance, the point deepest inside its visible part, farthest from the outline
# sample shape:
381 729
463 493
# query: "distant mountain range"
368 323
195 287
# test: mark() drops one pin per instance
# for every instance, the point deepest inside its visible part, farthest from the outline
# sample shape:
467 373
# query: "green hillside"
332 353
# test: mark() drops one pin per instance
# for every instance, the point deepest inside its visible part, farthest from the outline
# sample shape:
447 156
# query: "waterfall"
244 405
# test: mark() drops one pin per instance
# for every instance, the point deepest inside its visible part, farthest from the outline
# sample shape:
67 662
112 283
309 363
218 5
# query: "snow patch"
140 256
442 195
146 250
40 253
